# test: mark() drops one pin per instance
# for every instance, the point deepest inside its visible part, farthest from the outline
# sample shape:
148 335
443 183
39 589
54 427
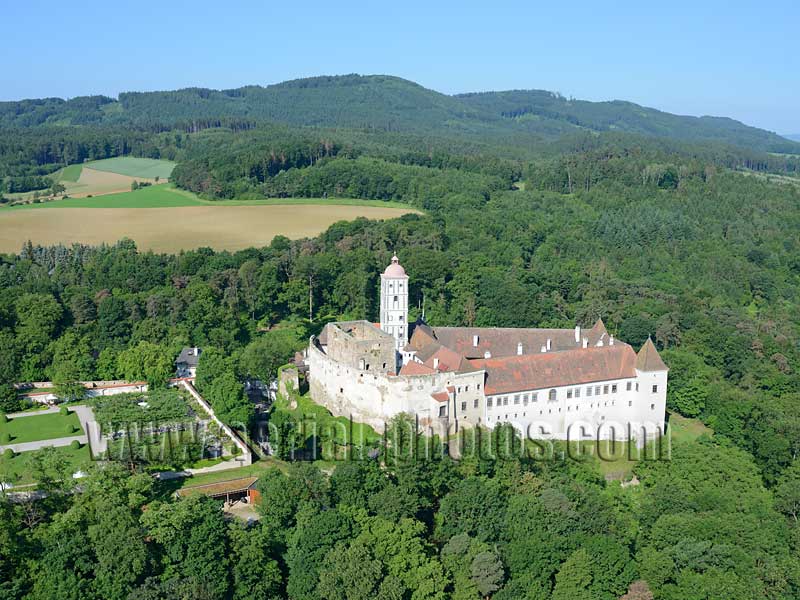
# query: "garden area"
35 428
160 430
158 406
49 463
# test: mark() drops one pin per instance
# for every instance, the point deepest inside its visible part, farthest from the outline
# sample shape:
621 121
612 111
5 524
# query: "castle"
548 383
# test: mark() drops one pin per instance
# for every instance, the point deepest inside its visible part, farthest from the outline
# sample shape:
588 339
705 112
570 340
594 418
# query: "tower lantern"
394 303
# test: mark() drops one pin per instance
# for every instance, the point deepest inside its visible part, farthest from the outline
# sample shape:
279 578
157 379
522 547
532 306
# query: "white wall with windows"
600 406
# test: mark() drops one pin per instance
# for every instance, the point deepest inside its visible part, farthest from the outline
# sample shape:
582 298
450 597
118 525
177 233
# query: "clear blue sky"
731 58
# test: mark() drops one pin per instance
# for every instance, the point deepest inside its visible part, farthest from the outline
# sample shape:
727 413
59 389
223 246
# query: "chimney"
585 342
435 363
519 349
544 348
487 354
577 334
549 345
611 341
475 341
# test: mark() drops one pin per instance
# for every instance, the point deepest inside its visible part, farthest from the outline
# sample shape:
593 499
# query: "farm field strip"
139 168
177 228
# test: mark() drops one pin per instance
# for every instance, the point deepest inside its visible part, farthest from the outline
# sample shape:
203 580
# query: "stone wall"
374 398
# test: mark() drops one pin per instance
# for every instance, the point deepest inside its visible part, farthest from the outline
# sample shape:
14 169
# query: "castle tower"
394 303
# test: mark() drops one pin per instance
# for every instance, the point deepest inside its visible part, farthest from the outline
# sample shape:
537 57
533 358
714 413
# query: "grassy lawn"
255 470
147 168
168 196
344 430
682 429
19 471
41 427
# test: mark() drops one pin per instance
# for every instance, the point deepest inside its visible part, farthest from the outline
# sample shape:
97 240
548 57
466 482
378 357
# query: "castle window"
652 407
341 390
463 406
605 389
488 402
466 388
479 386
459 389
614 388
475 403
569 393
655 389
637 386
535 397
588 391
505 400
597 390
628 386
630 403
577 392
401 318
442 411
525 399
516 399
552 395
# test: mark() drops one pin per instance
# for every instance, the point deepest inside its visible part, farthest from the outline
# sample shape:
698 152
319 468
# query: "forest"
689 244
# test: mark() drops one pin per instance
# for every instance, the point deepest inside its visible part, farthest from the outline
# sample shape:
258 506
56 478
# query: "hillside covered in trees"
385 103
660 237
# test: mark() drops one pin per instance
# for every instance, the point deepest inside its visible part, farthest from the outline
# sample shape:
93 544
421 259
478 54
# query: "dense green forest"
386 103
660 237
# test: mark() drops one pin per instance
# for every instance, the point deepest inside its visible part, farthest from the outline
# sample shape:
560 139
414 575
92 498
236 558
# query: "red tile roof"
500 341
648 358
415 368
554 369
440 396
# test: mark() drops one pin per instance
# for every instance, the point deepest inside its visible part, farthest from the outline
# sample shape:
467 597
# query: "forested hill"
386 103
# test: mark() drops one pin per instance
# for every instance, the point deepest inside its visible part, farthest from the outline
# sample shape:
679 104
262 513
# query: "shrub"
5 438
8 454
3 418
64 411
75 445
69 428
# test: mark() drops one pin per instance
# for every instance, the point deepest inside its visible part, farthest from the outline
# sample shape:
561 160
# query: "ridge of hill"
388 103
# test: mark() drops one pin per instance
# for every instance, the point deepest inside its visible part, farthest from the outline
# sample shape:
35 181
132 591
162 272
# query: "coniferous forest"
684 232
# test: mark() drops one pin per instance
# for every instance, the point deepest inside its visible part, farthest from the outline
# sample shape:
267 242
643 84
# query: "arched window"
552 395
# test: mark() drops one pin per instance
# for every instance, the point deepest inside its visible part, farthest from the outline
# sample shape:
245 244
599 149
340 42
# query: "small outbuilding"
229 491
186 363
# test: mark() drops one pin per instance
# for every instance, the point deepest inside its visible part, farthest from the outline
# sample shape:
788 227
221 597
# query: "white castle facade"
548 383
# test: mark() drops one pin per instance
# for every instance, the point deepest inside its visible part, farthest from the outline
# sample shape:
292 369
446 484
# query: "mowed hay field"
140 168
108 176
162 219
96 183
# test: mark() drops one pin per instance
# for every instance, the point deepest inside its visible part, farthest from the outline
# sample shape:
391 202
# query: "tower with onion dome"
394 303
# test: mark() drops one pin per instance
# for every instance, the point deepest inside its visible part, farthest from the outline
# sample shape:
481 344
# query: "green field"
146 168
168 196
19 469
71 173
40 427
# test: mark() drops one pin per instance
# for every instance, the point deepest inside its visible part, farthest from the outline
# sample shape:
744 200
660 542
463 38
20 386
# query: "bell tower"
394 303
